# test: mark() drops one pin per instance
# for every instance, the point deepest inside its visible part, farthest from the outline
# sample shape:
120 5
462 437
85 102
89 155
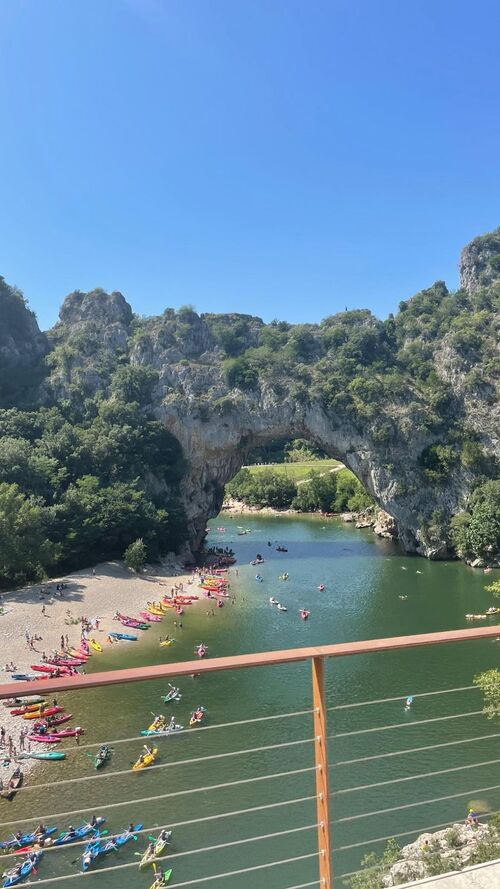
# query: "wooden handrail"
238 662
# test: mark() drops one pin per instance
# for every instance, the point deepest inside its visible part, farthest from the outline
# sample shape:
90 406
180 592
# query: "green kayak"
102 756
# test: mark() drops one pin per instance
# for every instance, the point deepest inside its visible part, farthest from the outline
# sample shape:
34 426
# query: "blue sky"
276 157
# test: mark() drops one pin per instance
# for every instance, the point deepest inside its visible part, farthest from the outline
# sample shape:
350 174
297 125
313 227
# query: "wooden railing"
316 655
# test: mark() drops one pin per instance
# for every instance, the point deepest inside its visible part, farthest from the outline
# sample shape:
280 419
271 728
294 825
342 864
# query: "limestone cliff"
22 345
403 403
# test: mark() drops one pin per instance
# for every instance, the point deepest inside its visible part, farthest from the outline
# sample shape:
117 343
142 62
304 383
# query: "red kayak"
152 618
47 668
58 720
55 737
44 739
66 662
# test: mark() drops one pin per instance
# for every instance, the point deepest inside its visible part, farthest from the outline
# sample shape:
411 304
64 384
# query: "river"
364 578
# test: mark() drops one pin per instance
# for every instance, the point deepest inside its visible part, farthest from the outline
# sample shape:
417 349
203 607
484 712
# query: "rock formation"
349 385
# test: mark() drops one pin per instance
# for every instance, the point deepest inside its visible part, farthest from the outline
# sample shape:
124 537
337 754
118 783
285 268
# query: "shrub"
135 555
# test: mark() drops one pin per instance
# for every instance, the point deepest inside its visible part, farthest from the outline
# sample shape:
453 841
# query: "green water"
364 578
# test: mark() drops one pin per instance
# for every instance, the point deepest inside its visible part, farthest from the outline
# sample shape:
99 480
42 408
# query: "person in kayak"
93 821
171 724
71 832
164 836
40 831
160 878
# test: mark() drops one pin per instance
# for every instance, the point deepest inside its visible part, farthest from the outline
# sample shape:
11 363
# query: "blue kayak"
24 677
91 852
94 849
26 839
126 836
79 833
17 874
127 636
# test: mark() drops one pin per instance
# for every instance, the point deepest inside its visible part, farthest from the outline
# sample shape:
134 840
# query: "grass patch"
296 471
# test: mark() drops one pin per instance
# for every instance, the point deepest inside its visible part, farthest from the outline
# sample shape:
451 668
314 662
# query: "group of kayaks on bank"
32 846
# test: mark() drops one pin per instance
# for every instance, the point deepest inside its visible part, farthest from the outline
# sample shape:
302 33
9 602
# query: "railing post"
322 785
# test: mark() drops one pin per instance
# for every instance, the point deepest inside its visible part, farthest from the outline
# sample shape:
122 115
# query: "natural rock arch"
218 446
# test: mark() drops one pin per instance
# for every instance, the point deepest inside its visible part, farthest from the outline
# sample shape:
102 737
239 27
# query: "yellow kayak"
153 608
166 642
158 725
95 645
146 760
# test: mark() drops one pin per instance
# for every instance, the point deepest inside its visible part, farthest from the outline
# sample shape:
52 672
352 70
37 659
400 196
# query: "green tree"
494 588
135 555
489 683
317 492
25 549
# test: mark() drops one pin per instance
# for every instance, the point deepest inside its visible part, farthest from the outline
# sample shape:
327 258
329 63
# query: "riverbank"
381 523
43 611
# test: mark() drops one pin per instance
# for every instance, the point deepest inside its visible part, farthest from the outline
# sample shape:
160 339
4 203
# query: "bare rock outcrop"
480 262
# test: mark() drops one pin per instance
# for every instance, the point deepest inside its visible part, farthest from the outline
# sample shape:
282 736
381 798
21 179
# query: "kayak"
79 653
95 645
40 714
28 701
147 859
147 615
157 724
46 755
46 668
201 650
65 733
147 760
167 642
131 621
166 730
166 877
92 851
57 720
79 833
195 720
23 677
127 835
161 844
102 756
28 708
155 609
66 661
173 695
123 637
43 739
26 839
14 876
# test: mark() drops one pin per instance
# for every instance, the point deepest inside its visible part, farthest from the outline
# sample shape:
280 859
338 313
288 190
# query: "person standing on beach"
2 736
